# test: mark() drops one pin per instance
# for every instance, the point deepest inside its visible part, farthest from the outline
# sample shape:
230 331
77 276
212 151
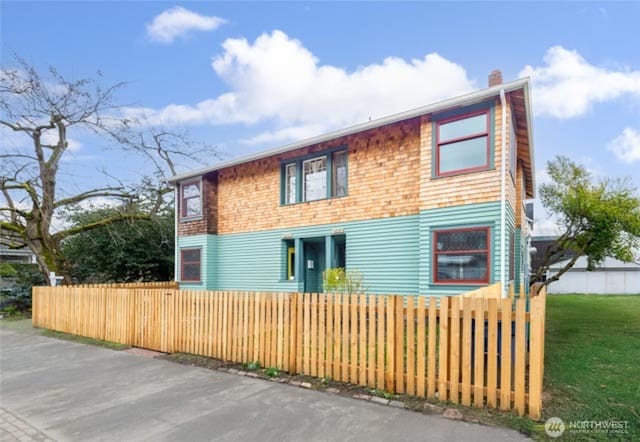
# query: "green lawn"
592 361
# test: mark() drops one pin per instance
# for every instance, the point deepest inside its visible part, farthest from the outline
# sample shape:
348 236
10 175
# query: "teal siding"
393 254
384 250
207 244
470 215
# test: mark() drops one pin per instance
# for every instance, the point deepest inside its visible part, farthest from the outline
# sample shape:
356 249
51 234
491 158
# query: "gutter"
461 101
503 195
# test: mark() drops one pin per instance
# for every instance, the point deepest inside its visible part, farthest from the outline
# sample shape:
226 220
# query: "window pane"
191 272
463 128
192 206
463 155
461 240
191 190
462 267
290 183
291 263
339 174
315 179
191 255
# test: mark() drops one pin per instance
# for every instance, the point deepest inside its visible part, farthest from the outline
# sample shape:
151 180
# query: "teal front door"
314 264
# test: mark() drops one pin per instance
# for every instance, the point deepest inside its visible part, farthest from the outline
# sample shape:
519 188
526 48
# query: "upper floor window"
315 178
339 174
190 199
314 175
462 143
461 256
290 183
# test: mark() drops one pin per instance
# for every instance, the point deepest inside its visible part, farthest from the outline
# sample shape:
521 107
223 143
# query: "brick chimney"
495 78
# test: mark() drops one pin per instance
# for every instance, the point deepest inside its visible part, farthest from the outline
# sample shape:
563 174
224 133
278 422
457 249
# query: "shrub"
340 280
17 294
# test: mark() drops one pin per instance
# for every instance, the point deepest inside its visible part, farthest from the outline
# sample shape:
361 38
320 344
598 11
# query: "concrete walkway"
63 391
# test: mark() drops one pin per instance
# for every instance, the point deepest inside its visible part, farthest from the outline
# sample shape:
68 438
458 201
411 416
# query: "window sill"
464 172
461 284
189 282
192 218
313 201
285 281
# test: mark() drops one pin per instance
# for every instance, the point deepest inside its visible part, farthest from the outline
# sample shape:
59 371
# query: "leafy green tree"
123 251
598 218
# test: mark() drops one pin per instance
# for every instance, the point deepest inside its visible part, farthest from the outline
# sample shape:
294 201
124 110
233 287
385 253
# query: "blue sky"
248 76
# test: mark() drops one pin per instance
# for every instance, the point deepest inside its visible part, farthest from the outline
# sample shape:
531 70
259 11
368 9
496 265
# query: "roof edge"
462 100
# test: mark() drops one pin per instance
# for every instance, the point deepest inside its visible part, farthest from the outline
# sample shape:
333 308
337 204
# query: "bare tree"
42 111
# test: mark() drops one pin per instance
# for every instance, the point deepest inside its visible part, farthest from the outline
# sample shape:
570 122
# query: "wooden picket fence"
475 351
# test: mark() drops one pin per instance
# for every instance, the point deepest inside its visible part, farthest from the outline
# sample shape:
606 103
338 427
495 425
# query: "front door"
314 264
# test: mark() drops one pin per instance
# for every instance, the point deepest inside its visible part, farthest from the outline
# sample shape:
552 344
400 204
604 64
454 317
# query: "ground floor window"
461 256
190 265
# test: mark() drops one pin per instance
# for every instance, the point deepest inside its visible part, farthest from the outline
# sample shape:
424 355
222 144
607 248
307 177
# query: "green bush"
16 296
340 280
7 270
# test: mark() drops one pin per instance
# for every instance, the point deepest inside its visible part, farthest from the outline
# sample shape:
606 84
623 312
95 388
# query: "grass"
592 366
592 361
83 340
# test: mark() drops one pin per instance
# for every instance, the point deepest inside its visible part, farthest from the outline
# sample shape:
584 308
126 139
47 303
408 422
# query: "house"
610 277
23 256
428 201
540 245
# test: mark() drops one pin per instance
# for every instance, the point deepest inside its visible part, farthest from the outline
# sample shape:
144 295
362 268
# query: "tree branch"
103 222
104 192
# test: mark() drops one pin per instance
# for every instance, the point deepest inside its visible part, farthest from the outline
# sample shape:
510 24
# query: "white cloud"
277 80
281 135
178 21
50 137
626 146
568 86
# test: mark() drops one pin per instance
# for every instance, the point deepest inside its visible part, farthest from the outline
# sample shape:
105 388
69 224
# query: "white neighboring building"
611 277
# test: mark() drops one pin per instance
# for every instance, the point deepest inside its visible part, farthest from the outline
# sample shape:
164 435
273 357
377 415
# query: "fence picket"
505 356
454 342
431 376
461 350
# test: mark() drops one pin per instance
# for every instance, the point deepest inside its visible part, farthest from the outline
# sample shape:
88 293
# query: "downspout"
176 251
503 196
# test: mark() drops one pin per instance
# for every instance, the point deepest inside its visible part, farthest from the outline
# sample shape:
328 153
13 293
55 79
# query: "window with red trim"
190 199
190 265
462 143
461 256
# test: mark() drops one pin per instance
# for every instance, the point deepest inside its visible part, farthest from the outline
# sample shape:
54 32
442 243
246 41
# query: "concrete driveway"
63 391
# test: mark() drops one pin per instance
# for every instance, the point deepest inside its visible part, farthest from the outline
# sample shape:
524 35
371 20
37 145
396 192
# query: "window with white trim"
290 183
314 179
317 177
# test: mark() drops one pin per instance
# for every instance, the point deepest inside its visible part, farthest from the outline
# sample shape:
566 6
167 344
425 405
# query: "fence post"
536 352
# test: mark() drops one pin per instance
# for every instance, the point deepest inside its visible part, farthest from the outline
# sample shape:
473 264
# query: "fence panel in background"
475 350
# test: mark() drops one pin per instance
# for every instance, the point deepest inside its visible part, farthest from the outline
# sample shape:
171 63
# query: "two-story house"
428 201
